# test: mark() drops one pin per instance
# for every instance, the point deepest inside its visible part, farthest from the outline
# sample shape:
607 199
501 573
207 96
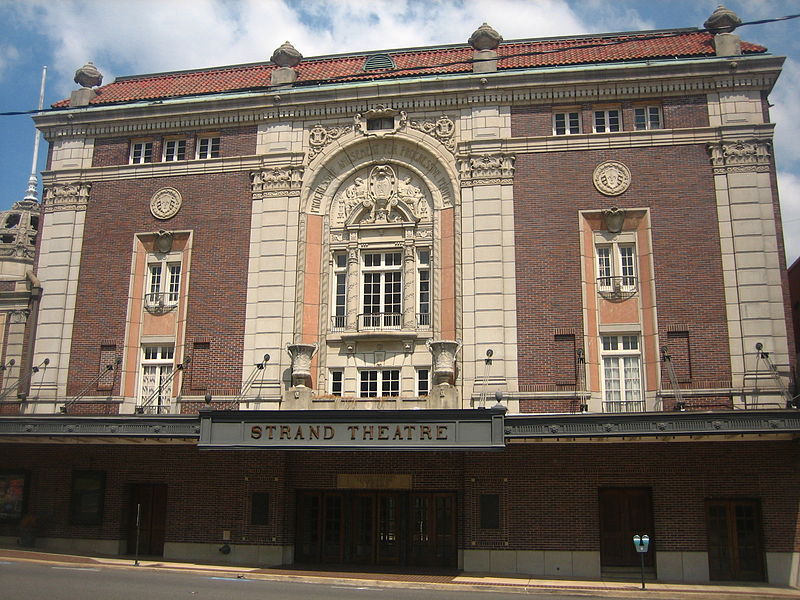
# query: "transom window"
606 121
141 152
647 117
174 150
385 381
566 123
622 377
208 147
382 296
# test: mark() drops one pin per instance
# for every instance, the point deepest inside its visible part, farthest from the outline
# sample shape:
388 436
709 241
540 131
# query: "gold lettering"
270 431
368 430
398 435
313 432
255 432
383 432
299 434
328 431
425 432
286 432
441 432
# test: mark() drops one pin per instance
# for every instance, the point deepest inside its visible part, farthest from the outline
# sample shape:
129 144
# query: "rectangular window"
86 500
387 381
622 377
208 147
339 292
566 123
423 382
259 508
490 511
174 150
141 152
382 291
164 285
606 121
616 267
647 117
337 383
156 385
424 288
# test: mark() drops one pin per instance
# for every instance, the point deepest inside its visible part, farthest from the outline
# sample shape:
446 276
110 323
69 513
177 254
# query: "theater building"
495 306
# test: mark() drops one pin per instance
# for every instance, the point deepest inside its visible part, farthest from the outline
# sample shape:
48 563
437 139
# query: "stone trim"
66 196
119 427
442 129
319 137
276 182
487 169
741 156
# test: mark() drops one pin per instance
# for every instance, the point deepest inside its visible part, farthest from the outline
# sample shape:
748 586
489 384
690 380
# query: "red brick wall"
678 112
217 209
240 141
677 185
549 492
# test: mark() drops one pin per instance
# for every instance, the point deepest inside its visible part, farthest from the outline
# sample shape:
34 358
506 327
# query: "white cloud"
123 37
789 190
784 112
8 54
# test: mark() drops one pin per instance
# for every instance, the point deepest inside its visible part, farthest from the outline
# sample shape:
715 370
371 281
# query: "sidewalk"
477 581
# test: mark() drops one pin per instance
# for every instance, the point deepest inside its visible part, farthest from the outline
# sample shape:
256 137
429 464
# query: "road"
63 582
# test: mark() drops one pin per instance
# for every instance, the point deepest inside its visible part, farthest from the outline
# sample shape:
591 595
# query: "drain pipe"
26 361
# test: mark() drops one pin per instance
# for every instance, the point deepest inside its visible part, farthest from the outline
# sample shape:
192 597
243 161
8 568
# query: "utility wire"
371 75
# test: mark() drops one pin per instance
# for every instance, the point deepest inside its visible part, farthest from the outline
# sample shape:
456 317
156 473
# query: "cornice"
418 95
117 427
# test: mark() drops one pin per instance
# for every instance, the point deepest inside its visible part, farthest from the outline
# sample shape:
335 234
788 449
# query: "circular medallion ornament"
165 203
611 178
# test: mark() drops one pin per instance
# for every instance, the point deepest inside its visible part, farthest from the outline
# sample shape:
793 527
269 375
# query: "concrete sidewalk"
449 581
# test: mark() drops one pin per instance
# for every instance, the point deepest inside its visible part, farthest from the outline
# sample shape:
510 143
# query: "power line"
633 37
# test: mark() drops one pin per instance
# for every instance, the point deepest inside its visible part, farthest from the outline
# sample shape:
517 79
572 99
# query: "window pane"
599 121
174 282
337 382
259 509
390 383
86 503
613 120
423 382
369 384
490 511
633 384
560 123
155 279
639 119
574 122
604 266
654 114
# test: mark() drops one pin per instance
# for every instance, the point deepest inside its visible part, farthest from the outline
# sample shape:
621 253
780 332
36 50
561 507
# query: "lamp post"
641 543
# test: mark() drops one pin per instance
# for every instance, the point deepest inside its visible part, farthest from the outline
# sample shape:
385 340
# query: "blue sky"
125 37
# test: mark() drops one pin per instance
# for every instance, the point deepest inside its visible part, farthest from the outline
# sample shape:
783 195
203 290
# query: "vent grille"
377 62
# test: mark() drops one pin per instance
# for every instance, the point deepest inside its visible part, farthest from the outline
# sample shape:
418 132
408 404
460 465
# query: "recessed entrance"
149 500
624 512
734 540
377 528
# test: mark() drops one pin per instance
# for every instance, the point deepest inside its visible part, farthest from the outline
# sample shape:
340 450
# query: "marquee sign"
361 430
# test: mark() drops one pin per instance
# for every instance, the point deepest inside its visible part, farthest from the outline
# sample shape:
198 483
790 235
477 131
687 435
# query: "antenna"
33 181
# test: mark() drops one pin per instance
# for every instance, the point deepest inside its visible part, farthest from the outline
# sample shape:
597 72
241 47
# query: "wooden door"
148 501
734 540
624 512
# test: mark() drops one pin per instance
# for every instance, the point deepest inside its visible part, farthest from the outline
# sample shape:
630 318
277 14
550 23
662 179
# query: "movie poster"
12 496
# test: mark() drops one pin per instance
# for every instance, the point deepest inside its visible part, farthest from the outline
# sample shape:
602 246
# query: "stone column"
353 287
409 286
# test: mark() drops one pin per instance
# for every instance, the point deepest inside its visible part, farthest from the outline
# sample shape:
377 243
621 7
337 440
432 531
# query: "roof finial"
286 57
722 20
87 77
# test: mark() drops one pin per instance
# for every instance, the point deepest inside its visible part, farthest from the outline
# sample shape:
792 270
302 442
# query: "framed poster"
13 495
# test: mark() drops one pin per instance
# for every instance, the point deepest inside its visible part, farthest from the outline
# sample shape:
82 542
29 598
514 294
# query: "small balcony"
617 289
159 303
385 324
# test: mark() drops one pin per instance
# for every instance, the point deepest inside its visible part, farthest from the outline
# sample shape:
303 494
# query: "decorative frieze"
319 137
443 129
487 169
66 196
740 156
279 181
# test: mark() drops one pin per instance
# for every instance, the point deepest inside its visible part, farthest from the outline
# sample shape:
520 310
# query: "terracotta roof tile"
422 62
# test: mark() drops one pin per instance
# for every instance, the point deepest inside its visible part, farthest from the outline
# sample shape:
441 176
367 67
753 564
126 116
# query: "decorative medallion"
611 178
319 137
381 196
166 203
443 129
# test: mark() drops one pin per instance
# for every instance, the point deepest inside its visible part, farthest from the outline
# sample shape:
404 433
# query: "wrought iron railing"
617 288
380 321
160 302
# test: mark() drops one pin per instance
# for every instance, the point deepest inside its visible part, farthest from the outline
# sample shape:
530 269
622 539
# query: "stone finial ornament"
485 38
88 76
286 55
722 20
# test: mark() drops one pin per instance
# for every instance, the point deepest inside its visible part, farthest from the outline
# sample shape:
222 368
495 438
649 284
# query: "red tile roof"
685 43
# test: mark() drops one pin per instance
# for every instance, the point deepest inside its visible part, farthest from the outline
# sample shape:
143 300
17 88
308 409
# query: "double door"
376 528
734 540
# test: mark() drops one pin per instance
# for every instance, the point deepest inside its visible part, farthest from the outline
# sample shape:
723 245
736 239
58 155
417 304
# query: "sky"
126 37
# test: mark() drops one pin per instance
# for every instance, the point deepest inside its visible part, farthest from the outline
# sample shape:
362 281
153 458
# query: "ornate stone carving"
319 137
611 178
487 169
20 316
301 355
279 181
381 197
443 129
166 203
286 55
722 20
740 156
88 76
66 196
444 360
485 38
